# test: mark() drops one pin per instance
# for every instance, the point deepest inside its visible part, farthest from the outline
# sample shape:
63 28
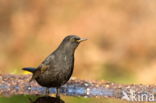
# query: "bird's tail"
30 69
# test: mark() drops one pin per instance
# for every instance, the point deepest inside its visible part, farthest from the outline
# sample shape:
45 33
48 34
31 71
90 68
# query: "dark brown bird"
58 67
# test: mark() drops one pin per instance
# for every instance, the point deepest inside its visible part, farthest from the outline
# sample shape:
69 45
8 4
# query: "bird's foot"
47 91
58 96
58 93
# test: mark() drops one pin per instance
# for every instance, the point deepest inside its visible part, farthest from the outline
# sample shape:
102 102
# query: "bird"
58 67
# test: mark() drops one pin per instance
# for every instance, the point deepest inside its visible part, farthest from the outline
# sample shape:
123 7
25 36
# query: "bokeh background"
121 34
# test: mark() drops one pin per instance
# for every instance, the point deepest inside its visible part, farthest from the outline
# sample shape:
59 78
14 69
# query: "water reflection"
47 99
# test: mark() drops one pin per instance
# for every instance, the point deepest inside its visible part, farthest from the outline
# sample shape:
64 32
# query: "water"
68 90
70 93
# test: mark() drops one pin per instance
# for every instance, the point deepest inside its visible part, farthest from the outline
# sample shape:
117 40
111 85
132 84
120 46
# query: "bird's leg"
47 91
57 92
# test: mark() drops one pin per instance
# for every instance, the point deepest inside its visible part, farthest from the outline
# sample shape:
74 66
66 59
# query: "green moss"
16 99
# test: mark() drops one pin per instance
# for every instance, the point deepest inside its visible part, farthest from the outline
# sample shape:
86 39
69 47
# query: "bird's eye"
73 40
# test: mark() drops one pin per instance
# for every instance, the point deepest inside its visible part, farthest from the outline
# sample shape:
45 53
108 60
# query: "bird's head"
71 42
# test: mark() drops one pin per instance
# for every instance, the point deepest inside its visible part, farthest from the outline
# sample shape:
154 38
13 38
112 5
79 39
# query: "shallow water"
68 90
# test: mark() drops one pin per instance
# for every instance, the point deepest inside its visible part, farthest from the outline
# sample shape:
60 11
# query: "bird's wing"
41 69
44 66
47 63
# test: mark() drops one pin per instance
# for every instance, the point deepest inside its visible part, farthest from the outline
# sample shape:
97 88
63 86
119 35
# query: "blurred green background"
121 44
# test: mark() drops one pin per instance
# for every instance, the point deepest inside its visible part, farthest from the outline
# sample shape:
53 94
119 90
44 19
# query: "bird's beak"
82 39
